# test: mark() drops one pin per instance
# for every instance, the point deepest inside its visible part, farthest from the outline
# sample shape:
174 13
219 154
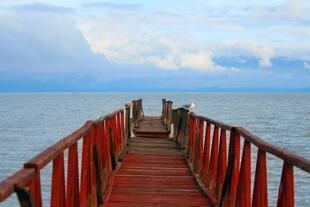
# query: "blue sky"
79 45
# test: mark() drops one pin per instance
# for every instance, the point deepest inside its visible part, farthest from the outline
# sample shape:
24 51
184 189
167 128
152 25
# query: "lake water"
30 122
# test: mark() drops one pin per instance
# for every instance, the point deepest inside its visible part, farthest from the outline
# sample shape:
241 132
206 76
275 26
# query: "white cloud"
199 61
288 10
172 40
161 51
45 42
307 65
167 62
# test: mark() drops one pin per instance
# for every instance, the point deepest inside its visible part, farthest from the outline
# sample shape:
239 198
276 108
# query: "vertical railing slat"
260 194
196 146
286 189
58 195
200 148
206 156
229 191
93 185
73 177
85 173
123 129
222 162
35 189
211 180
244 185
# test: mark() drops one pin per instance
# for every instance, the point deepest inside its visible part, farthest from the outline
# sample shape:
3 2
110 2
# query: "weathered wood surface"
155 173
151 126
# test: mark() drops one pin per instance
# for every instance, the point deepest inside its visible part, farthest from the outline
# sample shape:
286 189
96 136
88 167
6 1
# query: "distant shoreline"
170 91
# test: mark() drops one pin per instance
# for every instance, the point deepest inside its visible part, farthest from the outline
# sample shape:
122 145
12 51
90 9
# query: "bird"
189 106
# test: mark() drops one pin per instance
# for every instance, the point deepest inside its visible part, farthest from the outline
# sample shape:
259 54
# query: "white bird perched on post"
189 106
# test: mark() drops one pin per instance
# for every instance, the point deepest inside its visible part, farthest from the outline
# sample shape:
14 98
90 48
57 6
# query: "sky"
155 45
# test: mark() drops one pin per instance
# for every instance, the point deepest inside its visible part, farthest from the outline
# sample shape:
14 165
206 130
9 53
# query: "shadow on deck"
155 173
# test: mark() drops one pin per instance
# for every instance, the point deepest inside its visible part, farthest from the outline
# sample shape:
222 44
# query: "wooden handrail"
103 139
227 178
53 151
224 174
20 179
283 154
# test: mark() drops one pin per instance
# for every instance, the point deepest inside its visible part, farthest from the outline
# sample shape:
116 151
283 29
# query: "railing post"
196 146
134 113
58 195
85 172
112 149
127 124
24 197
206 154
98 174
244 184
73 177
163 108
286 189
185 128
260 193
211 181
164 111
222 162
200 148
174 123
229 191
169 111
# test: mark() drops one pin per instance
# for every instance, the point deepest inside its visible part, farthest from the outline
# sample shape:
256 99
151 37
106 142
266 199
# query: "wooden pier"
175 159
155 172
151 126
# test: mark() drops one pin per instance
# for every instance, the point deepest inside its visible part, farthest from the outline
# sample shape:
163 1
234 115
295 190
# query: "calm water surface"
30 122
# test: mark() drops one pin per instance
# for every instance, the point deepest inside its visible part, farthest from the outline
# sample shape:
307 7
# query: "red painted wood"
211 180
73 199
107 141
231 178
100 148
200 147
123 128
35 189
121 132
243 198
114 135
190 137
286 189
147 179
154 180
94 133
106 161
58 195
193 138
222 163
260 194
85 173
206 156
117 135
93 185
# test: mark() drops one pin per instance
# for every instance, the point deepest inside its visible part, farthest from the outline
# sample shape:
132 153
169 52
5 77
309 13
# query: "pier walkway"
155 173
176 159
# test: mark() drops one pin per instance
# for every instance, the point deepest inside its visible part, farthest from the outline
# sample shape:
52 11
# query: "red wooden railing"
226 175
103 145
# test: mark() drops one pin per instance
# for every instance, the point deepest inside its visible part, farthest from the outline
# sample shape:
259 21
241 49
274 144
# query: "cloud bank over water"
261 45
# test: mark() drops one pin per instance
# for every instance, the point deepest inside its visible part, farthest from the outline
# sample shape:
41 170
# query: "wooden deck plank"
151 126
155 173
